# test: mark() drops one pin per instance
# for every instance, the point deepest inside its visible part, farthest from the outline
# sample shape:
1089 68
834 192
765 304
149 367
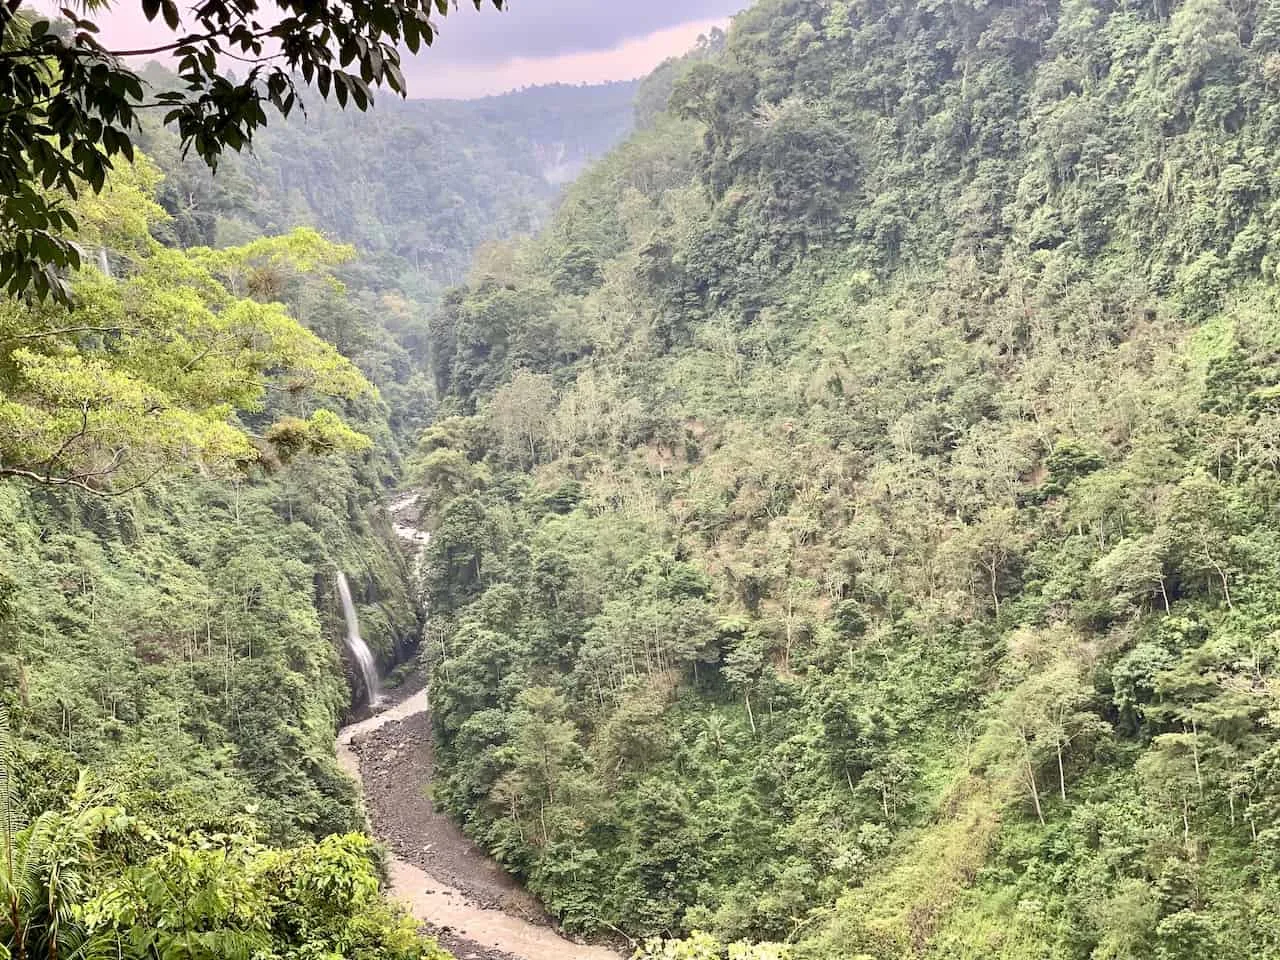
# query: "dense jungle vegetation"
189 453
186 466
415 185
855 514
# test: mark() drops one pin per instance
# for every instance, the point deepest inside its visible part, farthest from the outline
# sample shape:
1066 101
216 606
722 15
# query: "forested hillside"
186 467
854 515
204 390
417 186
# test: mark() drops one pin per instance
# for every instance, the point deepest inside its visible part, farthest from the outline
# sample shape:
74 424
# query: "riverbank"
475 908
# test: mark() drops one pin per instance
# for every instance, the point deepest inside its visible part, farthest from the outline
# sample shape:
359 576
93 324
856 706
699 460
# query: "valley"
816 502
464 898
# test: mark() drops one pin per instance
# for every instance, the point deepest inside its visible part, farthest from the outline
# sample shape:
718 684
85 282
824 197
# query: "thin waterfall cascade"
355 643
104 262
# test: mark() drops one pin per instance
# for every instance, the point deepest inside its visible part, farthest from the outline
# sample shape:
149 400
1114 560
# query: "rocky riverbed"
462 895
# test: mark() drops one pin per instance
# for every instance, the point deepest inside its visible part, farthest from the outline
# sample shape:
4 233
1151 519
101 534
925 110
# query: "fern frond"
8 794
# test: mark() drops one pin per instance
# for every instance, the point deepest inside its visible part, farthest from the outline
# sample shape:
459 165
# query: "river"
452 887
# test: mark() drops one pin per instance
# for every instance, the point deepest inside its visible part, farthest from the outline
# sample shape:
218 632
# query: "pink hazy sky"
531 42
633 57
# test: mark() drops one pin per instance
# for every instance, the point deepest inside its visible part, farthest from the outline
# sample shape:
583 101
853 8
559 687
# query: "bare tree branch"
84 429
77 482
62 331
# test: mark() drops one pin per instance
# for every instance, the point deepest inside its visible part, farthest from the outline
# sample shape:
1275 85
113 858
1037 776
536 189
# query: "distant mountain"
416 185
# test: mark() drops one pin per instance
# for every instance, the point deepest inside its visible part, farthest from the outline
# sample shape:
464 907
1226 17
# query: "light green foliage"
144 377
222 896
700 946
93 882
895 565
87 880
181 641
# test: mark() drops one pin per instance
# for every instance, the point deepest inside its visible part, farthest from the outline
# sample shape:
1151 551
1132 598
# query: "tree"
1135 568
1023 721
1200 515
543 749
146 375
43 867
1041 717
69 106
1171 770
989 548
1069 721
521 414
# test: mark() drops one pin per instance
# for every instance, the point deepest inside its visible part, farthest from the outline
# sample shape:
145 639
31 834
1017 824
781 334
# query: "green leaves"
144 378
965 324
205 897
68 104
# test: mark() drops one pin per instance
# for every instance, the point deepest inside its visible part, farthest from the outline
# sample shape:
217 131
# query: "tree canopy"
69 106
854 515
147 372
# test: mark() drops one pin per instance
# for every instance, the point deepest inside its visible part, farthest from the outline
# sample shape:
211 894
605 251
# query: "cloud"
537 29
428 77
488 51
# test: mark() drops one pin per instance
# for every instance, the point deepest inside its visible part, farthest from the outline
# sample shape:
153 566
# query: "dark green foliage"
188 643
68 104
915 377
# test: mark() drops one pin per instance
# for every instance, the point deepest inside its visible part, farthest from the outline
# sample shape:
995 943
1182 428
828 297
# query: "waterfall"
104 263
359 649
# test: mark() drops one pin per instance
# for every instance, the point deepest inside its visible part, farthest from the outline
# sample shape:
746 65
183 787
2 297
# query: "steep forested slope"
185 467
415 186
190 451
855 514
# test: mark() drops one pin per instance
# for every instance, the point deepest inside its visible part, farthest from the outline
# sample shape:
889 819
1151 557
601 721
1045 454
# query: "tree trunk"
1195 758
8 11
1186 823
1222 575
15 920
1035 790
1062 777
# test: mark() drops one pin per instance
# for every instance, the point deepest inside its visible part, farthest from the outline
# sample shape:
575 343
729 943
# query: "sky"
532 42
